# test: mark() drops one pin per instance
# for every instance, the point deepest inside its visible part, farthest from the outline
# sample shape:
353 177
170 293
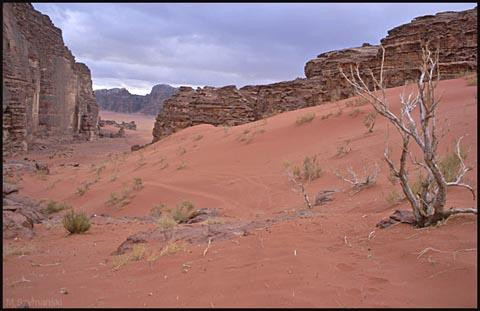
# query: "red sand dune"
323 261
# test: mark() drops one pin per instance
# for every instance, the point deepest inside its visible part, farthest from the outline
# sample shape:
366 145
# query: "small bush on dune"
166 222
354 113
394 197
369 121
137 184
311 169
158 210
55 207
76 222
184 212
306 118
172 248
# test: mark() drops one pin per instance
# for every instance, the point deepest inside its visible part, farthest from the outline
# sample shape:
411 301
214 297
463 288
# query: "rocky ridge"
121 100
455 32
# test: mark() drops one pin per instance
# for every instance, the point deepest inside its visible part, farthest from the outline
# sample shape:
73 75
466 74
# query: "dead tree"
360 182
429 205
298 186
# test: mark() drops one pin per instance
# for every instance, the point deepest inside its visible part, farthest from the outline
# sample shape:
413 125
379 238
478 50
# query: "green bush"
76 222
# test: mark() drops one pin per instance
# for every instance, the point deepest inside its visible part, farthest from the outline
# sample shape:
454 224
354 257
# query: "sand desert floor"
333 258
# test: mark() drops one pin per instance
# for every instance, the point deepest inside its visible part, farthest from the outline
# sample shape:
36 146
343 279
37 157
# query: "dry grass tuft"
306 118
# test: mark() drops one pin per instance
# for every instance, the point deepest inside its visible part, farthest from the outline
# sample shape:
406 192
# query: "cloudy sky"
139 45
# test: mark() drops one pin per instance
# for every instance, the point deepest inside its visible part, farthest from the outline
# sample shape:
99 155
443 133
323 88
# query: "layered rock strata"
45 92
454 32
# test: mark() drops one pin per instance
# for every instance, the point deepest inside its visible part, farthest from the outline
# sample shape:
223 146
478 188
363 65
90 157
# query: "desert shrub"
119 199
369 121
181 166
326 116
81 190
183 212
55 207
138 252
172 248
166 222
354 113
450 165
14 250
197 137
305 118
393 197
76 222
158 210
215 221
311 169
181 151
343 149
137 184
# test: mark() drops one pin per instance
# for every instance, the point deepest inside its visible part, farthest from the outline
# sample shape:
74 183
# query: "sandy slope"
240 170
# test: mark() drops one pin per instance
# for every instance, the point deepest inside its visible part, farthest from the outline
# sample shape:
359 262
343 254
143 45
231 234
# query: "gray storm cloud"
139 45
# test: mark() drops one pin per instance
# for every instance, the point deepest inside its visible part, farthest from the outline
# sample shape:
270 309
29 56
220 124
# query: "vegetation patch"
158 210
183 212
172 248
76 222
450 164
137 254
306 118
55 207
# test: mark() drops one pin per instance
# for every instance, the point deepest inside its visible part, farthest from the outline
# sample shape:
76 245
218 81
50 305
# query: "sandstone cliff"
456 33
45 92
121 100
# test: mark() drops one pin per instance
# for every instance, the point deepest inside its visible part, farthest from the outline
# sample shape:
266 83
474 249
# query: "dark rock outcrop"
19 213
121 100
455 32
45 92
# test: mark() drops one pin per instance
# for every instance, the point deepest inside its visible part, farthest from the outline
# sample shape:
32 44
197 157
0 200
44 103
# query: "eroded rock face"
455 31
121 100
45 92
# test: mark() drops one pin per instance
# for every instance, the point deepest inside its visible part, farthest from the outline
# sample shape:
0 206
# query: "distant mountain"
121 100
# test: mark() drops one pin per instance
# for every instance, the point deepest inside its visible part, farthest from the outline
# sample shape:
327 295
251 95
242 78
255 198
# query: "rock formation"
456 33
19 213
121 100
45 92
